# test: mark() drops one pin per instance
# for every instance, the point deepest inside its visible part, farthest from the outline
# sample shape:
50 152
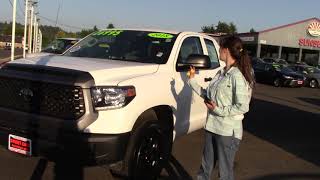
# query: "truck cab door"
190 110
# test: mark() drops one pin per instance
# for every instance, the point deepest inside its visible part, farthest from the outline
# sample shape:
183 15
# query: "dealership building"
295 42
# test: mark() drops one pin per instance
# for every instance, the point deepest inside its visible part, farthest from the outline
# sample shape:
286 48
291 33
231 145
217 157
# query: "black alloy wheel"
150 153
313 83
277 82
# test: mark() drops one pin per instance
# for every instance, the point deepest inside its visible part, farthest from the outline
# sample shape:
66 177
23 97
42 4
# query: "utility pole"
13 40
34 34
25 29
40 43
38 30
30 29
37 36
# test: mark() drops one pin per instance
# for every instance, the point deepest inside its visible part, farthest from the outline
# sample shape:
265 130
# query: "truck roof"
146 29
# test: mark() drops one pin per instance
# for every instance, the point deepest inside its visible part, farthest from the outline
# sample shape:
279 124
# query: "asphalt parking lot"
5 54
281 142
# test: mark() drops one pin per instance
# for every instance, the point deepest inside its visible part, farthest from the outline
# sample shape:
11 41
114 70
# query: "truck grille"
49 99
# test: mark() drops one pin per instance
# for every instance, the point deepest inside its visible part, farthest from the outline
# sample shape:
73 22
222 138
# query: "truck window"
212 53
191 45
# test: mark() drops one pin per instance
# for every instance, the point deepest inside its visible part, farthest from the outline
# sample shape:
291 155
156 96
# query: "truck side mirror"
196 60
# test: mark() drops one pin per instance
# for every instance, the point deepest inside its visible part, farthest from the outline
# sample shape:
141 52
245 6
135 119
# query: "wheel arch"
163 113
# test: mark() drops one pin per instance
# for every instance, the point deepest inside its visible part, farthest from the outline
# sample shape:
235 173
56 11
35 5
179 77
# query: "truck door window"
191 45
212 53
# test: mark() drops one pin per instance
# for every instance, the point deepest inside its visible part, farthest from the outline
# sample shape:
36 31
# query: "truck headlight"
105 98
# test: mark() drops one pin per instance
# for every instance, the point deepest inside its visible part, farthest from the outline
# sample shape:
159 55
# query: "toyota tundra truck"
118 97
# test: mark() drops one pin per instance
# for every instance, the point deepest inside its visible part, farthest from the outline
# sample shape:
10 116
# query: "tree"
209 29
222 27
232 28
83 33
95 28
252 30
61 34
110 26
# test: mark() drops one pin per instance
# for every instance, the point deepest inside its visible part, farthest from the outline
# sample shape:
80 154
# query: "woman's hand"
210 105
191 73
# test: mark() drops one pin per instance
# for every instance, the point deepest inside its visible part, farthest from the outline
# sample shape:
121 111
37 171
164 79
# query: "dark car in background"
277 75
256 60
60 45
275 60
312 74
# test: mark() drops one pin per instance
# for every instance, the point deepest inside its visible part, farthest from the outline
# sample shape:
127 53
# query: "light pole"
13 40
25 29
32 19
30 29
40 43
34 33
37 36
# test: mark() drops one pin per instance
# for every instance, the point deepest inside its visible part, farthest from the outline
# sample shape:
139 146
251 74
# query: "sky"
181 15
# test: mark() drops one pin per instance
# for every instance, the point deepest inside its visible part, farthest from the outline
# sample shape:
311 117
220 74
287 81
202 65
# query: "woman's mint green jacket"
232 96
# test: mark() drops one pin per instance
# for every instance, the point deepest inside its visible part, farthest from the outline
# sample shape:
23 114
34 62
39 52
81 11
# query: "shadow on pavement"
293 130
313 101
288 177
39 170
175 171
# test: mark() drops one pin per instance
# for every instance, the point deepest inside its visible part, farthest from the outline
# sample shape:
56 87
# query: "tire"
277 82
149 149
313 83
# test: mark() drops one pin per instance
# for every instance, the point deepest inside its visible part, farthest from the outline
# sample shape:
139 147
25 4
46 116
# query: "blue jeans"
221 149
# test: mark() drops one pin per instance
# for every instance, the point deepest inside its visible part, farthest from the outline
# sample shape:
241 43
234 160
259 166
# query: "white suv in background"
116 97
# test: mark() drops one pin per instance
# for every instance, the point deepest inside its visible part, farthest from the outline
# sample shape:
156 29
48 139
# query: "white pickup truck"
116 97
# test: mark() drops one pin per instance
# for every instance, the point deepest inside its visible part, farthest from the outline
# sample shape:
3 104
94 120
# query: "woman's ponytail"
235 46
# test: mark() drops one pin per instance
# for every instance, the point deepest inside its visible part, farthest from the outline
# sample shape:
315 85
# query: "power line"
58 11
64 25
20 6
19 16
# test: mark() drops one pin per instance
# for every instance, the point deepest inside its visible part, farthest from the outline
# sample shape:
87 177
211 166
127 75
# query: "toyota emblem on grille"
26 93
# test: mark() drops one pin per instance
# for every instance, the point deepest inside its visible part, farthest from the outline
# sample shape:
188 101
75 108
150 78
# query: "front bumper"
56 139
76 146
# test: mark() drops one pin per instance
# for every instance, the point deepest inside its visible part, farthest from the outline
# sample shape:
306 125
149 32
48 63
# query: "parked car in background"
56 47
256 60
300 63
60 45
278 75
312 74
275 60
281 61
7 46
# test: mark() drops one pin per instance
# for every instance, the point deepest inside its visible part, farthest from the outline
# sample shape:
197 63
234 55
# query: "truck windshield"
125 45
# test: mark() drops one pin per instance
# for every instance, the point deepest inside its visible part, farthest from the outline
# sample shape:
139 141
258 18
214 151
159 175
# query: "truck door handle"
207 79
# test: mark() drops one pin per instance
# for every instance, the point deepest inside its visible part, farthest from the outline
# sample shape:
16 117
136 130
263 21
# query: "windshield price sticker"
160 35
108 33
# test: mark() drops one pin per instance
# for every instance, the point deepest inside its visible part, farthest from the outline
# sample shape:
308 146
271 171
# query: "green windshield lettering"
108 33
160 35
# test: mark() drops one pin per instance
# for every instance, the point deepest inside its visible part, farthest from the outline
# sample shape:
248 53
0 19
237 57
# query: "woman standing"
227 99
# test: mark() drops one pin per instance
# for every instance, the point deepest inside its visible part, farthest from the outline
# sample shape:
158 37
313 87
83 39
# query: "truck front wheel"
149 148
150 152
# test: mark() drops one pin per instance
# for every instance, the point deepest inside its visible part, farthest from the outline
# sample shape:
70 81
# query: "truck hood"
104 71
